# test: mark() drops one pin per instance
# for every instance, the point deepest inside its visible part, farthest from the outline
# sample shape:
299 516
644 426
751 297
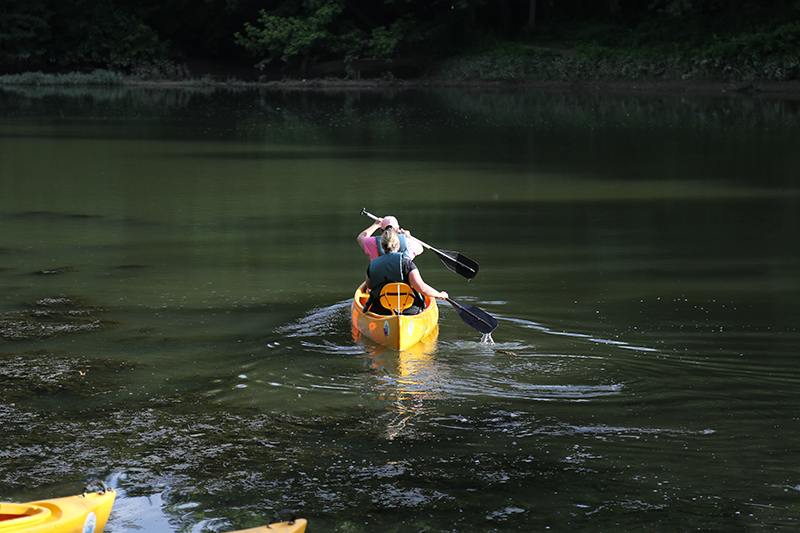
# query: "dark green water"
175 275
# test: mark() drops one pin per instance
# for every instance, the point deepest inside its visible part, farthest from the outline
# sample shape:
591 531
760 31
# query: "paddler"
409 246
393 267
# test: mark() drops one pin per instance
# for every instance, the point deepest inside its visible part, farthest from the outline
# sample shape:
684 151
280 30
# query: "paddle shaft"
440 253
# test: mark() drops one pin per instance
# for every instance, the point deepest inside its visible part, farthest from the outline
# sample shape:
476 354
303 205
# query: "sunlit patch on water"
132 513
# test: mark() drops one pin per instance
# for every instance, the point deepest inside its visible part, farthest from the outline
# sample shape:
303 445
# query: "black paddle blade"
475 317
460 264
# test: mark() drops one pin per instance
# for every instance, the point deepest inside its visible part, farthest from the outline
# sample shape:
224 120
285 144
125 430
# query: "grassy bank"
542 64
616 53
97 77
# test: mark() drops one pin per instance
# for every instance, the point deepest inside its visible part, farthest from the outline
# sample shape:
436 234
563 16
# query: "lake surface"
176 269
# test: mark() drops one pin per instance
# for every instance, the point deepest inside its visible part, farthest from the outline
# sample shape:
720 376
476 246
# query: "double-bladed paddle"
458 263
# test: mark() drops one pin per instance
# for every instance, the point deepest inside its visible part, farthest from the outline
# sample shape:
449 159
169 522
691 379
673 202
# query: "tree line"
58 35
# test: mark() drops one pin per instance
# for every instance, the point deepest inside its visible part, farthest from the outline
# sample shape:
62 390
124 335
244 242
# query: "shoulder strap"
403 245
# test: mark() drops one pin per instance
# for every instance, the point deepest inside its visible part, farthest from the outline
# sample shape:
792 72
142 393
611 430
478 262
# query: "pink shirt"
371 248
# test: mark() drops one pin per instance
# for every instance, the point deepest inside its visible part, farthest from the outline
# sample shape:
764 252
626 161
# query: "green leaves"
289 37
781 42
318 30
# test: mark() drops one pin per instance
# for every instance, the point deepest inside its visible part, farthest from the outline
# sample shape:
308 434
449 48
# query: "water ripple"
318 322
534 325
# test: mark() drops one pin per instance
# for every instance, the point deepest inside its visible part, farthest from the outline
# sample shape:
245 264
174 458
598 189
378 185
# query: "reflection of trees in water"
567 109
393 112
122 102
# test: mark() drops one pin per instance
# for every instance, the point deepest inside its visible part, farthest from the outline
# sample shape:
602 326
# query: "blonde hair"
390 241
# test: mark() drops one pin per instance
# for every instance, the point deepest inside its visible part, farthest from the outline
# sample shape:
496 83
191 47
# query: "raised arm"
415 279
367 233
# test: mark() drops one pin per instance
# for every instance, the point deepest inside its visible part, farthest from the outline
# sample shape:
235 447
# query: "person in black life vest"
394 267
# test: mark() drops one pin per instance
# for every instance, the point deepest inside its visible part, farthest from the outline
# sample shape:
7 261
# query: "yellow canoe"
294 526
398 332
84 513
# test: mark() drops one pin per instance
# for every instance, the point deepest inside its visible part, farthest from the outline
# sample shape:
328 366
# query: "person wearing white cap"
409 246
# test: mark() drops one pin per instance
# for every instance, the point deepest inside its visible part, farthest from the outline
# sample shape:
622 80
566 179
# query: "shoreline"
786 89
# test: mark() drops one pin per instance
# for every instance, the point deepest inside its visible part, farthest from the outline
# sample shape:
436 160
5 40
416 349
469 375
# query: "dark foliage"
55 35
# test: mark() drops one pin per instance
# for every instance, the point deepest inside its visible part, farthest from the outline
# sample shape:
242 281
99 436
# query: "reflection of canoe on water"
397 332
84 513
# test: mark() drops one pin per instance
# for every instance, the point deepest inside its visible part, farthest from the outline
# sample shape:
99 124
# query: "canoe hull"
84 513
398 332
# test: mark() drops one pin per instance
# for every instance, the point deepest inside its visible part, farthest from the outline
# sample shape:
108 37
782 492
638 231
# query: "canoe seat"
396 296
